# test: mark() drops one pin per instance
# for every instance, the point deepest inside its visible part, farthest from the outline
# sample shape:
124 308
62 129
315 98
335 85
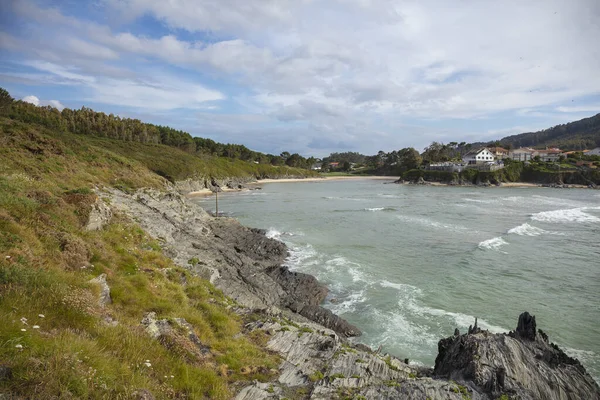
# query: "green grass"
47 259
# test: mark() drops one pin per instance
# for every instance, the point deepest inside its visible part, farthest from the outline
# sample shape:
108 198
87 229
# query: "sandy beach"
324 179
208 192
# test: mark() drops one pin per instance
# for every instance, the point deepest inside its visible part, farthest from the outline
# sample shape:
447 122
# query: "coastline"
317 359
391 179
207 192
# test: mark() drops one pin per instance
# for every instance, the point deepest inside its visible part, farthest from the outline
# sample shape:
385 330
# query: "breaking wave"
527 230
492 244
572 215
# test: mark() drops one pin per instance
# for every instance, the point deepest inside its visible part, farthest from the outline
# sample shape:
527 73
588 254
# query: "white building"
594 152
478 156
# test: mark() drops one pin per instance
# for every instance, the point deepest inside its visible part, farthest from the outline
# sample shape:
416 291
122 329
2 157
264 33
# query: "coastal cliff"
318 362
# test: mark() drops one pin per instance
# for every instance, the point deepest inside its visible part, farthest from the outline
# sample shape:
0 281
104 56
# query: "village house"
478 156
498 152
522 154
593 152
549 155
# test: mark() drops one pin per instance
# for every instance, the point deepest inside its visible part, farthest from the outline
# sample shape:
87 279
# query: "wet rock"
526 326
104 298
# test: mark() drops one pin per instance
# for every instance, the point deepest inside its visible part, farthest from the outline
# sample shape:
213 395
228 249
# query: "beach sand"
208 192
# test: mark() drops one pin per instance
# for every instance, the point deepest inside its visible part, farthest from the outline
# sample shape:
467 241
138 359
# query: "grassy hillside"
578 135
54 338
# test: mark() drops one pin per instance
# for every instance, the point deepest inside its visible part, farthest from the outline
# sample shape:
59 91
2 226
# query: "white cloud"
37 102
56 104
31 99
349 69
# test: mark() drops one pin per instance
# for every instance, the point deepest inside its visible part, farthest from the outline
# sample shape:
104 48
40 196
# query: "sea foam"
527 230
572 215
380 209
492 244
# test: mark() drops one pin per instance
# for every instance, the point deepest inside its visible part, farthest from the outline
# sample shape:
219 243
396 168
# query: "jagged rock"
516 364
526 326
301 287
472 329
242 262
326 318
319 362
100 215
104 298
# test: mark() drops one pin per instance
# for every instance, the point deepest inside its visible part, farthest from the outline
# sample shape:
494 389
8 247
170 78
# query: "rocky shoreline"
421 181
318 361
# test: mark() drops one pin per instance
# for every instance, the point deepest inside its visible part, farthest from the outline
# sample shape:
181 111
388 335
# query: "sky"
311 76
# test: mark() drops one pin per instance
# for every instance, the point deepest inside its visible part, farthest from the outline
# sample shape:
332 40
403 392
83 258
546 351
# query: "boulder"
100 215
104 298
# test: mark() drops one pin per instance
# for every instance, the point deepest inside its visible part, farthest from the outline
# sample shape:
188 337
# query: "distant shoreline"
208 192
391 179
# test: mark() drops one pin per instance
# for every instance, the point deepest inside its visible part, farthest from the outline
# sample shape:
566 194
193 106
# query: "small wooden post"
217 202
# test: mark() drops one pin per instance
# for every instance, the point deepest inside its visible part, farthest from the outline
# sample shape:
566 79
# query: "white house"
478 156
594 152
521 154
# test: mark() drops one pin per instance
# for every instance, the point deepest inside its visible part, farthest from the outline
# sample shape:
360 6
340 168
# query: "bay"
408 264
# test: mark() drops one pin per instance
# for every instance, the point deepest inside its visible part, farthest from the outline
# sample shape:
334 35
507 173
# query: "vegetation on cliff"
86 121
56 339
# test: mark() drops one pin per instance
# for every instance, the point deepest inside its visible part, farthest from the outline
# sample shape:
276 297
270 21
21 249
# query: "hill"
577 135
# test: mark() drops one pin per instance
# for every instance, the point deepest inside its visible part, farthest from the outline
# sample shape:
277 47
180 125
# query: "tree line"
86 121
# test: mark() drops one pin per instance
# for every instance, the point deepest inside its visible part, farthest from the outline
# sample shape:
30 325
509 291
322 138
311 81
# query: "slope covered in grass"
55 337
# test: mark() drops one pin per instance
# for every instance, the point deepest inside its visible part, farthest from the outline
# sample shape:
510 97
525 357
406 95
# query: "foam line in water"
492 244
434 224
380 209
571 215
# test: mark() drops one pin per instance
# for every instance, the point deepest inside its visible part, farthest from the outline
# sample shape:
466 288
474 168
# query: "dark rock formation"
519 364
244 263
526 327
326 318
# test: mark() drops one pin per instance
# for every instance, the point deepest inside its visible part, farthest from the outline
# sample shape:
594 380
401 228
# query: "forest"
86 121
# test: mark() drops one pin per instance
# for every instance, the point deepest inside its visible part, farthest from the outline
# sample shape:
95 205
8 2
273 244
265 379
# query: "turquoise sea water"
408 264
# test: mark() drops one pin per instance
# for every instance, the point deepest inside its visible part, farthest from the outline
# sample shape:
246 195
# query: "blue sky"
311 76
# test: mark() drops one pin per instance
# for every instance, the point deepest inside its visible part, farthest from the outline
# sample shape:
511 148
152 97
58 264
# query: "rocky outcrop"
100 215
521 364
175 334
244 263
104 297
319 364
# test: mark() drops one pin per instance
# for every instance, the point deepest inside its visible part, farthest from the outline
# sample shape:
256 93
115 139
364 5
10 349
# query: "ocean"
408 264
